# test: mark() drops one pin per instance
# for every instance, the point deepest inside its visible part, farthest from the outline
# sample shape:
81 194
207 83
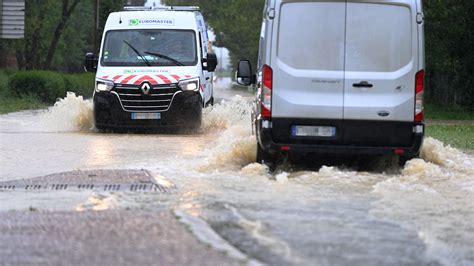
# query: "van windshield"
149 47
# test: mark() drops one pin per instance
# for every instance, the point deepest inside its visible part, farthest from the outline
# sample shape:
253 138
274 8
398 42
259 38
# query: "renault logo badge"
145 88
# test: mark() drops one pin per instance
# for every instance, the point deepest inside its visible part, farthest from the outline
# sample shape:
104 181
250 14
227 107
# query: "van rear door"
307 58
381 60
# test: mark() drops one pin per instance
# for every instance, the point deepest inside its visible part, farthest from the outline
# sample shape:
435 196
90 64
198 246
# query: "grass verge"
436 112
459 136
8 104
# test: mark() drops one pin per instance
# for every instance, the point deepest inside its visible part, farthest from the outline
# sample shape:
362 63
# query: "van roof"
152 19
169 8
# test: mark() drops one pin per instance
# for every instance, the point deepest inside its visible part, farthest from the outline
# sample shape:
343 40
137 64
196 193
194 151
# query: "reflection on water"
97 202
100 152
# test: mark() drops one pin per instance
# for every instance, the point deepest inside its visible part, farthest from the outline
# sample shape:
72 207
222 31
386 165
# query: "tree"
45 23
59 33
67 10
449 58
239 21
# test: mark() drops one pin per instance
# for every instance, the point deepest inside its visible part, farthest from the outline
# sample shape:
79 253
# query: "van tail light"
419 90
267 85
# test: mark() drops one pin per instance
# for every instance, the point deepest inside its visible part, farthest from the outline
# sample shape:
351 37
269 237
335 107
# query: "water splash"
255 169
282 177
71 113
434 194
235 147
226 114
437 152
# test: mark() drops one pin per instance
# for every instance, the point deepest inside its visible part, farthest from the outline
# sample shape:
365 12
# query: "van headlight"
103 85
189 84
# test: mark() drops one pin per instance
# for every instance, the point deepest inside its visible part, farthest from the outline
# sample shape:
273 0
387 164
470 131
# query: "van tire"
101 128
196 120
103 122
266 158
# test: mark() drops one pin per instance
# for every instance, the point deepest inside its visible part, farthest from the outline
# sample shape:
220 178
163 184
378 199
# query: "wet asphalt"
97 232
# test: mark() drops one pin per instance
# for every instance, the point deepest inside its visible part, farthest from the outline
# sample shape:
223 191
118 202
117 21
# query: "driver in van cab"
178 50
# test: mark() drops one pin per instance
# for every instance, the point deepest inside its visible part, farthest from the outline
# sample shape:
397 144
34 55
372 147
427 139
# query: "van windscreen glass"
149 47
379 37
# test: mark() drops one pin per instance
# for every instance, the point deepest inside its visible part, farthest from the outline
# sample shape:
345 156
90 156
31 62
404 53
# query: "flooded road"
421 214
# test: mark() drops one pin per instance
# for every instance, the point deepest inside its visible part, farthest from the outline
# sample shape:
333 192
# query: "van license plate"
146 116
313 131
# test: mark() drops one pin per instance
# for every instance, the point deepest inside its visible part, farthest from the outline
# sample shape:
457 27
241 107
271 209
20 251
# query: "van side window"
200 45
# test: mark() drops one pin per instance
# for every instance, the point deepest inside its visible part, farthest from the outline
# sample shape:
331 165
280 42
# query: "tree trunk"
31 47
66 14
20 59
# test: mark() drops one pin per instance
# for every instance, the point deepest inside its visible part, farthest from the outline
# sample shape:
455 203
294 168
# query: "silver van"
339 77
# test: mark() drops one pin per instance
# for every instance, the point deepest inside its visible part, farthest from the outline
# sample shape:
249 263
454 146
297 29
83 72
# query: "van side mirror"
244 73
90 63
210 63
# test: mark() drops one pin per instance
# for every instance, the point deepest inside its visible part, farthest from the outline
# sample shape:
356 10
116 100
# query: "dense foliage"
47 86
449 52
236 24
58 33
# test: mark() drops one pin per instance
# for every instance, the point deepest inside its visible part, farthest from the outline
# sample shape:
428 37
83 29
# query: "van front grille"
158 98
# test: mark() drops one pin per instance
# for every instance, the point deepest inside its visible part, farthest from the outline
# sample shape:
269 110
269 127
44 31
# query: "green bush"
21 90
81 84
3 84
46 85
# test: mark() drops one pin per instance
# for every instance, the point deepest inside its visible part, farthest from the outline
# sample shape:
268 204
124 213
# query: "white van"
154 69
339 77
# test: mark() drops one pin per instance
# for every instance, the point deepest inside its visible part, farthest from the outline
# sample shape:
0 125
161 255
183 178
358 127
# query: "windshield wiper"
166 57
138 53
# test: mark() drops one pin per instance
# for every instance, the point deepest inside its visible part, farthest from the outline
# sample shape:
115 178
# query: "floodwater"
421 214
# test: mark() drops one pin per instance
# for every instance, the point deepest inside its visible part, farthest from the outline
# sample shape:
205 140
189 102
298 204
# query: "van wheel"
101 128
100 121
196 119
387 163
266 158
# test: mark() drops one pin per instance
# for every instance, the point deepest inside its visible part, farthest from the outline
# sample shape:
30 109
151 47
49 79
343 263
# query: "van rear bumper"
352 137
